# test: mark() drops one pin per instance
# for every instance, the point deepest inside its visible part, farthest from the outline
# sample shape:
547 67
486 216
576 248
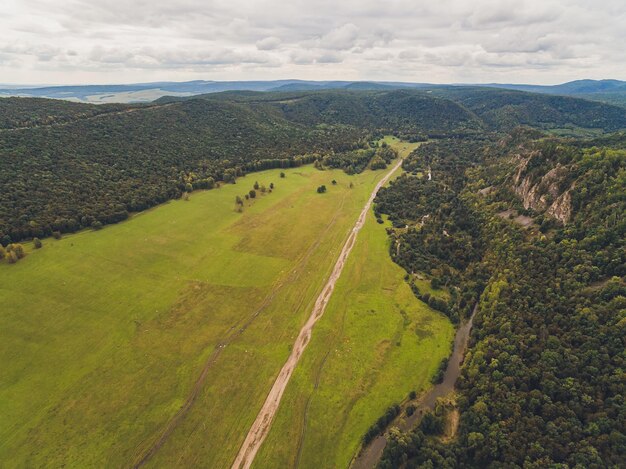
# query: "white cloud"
446 41
268 43
340 38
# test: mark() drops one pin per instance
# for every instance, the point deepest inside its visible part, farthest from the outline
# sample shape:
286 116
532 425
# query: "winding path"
261 426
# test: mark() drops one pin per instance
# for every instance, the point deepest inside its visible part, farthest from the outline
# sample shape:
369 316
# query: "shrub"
17 249
37 243
431 424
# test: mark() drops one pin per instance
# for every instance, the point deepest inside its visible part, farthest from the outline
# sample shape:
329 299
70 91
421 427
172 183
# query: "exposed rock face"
543 193
561 208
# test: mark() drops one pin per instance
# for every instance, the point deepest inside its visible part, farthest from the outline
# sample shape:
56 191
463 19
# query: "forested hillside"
18 113
66 166
533 230
506 109
96 171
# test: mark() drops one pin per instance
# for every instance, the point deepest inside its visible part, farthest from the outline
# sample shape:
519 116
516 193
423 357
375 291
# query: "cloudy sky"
442 41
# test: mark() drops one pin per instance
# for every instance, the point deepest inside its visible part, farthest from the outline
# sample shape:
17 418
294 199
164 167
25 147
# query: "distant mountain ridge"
609 91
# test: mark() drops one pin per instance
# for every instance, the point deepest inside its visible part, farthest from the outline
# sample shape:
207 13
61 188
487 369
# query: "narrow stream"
370 455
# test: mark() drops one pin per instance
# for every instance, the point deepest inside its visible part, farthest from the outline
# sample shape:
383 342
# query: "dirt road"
261 426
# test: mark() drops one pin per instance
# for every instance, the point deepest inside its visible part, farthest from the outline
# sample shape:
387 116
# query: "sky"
435 41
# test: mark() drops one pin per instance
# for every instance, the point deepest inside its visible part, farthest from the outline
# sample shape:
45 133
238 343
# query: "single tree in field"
247 196
351 185
256 185
271 185
263 188
321 189
282 175
238 200
37 243
334 182
252 194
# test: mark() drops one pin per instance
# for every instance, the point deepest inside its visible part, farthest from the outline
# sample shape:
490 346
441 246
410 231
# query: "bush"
37 243
381 424
11 257
16 249
431 424
56 234
321 189
438 377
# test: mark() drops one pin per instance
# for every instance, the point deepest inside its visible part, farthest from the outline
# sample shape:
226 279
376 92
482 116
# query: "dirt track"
261 426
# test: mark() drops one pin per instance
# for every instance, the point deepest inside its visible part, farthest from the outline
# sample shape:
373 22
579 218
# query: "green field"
103 334
375 344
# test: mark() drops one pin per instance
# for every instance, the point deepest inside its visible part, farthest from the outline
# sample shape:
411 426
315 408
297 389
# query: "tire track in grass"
232 333
261 426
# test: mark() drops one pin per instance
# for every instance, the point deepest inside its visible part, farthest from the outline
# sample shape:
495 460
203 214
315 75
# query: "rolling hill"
67 166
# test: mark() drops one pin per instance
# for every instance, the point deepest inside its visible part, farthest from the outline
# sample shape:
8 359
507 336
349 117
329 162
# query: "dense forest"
533 230
95 171
66 166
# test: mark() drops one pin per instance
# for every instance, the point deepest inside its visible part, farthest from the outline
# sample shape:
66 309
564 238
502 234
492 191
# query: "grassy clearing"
102 334
375 344
423 283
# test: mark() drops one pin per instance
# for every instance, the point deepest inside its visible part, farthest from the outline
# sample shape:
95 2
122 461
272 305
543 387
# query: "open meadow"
374 345
103 334
156 340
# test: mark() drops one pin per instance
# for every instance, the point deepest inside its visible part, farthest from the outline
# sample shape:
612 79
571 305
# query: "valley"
185 297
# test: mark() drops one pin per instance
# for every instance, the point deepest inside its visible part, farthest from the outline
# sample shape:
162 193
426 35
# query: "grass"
424 286
375 344
102 334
